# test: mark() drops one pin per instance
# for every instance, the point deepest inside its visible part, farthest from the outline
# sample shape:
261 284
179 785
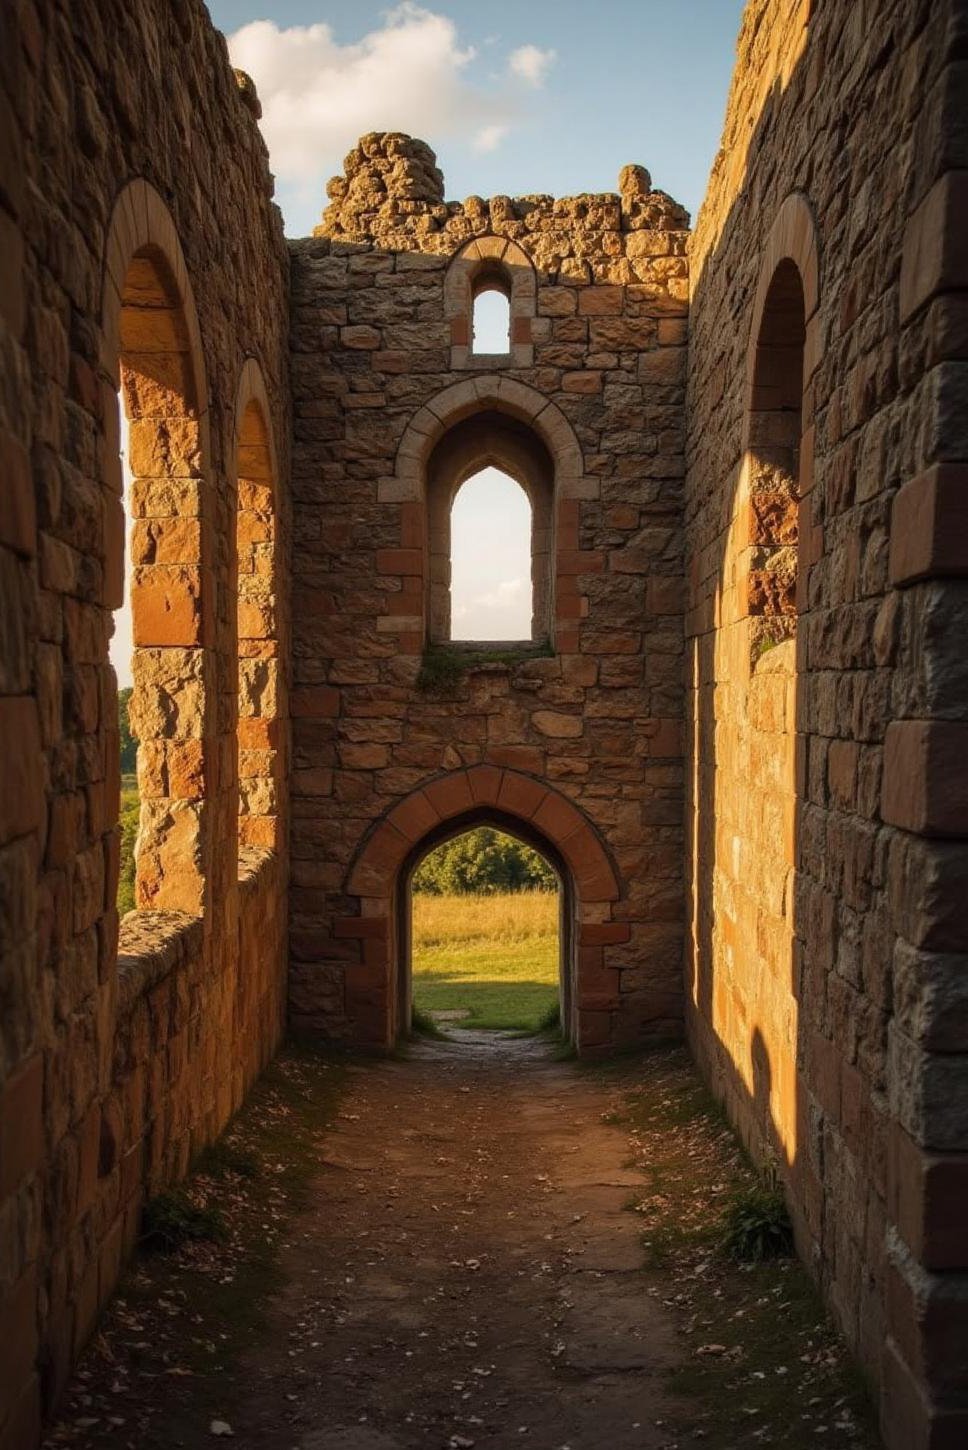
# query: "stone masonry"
597 286
739 729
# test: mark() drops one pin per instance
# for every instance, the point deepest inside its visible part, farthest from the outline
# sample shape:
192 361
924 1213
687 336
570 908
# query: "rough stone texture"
746 455
825 707
140 249
589 418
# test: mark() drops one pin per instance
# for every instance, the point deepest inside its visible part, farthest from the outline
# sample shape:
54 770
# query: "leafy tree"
129 745
481 862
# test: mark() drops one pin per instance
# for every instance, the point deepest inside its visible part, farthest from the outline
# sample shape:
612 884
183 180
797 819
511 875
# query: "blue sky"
646 82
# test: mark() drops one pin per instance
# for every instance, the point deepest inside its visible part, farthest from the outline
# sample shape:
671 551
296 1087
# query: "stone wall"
140 249
771 526
586 411
826 809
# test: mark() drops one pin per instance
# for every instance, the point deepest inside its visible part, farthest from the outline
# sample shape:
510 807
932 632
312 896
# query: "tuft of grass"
171 1220
550 1021
423 1025
757 1225
444 666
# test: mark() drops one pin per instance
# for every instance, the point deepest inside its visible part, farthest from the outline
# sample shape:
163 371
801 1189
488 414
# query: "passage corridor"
465 1271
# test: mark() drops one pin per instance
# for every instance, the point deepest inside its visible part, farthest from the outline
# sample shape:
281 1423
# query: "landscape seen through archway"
485 936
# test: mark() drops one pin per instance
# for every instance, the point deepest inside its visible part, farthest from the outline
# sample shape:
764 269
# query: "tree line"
483 861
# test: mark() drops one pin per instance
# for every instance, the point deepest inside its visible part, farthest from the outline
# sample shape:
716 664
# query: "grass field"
495 957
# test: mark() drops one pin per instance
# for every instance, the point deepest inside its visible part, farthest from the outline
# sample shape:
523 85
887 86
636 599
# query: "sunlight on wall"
491 559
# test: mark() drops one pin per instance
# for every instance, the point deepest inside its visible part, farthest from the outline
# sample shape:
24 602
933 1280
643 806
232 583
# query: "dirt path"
466 1274
436 1252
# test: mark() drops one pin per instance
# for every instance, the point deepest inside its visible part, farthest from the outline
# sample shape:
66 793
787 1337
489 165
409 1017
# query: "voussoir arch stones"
141 223
793 238
490 392
510 795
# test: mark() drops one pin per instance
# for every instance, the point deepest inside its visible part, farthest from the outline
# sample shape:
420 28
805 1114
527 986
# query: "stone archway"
376 987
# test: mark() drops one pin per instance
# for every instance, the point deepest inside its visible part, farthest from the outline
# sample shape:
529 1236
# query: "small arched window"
490 297
491 317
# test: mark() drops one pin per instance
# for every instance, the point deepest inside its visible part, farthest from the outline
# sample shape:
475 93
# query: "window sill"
255 862
463 360
151 945
446 663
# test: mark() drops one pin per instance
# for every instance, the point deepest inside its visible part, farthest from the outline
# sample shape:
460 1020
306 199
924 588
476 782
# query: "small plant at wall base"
171 1220
757 1225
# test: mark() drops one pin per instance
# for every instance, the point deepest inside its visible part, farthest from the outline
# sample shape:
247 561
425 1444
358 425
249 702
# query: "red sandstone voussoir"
485 783
450 795
520 795
414 816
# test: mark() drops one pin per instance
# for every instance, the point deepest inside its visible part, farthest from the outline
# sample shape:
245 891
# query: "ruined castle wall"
825 996
135 216
382 370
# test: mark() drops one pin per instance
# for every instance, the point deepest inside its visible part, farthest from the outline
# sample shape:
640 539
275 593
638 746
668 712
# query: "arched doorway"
404 906
377 983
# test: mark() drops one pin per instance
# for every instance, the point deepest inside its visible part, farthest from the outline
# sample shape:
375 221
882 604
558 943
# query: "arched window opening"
490 489
491 589
159 628
259 745
490 300
485 911
775 429
491 317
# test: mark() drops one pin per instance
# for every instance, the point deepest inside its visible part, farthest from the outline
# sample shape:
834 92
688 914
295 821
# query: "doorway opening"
485 932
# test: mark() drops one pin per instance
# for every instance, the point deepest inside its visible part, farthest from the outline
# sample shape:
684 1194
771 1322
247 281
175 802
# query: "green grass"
129 834
494 957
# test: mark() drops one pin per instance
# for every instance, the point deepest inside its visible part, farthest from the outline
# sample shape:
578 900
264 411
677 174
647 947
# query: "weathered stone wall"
806 541
384 384
825 975
136 223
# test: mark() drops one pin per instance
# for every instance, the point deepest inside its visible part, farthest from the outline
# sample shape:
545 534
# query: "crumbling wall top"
391 196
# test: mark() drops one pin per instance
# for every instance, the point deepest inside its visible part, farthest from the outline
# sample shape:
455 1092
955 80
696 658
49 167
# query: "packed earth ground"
472 1245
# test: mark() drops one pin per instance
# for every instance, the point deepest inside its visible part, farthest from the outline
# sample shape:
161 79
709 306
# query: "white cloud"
490 137
319 96
530 63
411 73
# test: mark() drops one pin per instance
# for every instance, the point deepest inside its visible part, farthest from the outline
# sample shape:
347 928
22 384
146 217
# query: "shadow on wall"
789 990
